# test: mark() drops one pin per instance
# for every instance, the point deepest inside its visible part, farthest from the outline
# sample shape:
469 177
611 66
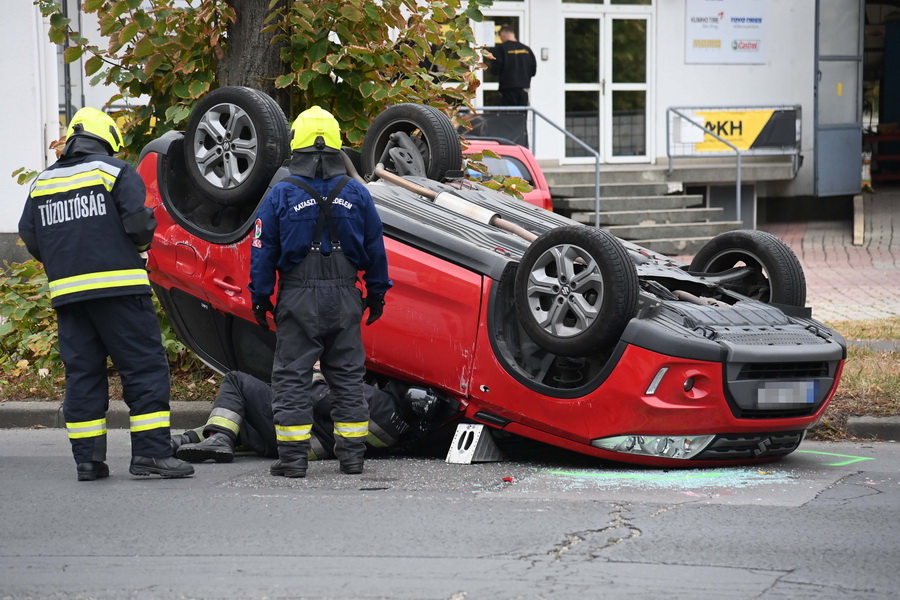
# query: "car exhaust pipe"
458 205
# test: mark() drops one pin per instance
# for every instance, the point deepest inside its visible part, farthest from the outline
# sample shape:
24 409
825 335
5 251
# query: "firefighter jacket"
515 64
286 224
85 219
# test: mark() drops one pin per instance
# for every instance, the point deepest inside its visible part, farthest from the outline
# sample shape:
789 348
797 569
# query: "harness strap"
324 211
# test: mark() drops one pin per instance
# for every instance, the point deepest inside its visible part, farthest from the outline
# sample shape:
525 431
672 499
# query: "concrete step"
711 170
580 174
652 217
619 203
671 230
570 190
680 246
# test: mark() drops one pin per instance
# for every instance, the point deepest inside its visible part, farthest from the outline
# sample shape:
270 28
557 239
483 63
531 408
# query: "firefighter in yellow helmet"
316 230
85 219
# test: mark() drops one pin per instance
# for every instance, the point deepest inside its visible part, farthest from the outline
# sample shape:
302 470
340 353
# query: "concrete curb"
886 429
185 415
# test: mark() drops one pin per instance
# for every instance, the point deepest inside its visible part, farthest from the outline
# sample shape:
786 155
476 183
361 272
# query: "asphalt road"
822 524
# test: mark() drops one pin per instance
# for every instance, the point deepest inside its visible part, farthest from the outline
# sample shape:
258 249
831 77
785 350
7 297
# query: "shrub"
28 328
28 325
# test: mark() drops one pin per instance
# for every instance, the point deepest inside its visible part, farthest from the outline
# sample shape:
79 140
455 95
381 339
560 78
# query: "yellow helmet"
95 123
312 124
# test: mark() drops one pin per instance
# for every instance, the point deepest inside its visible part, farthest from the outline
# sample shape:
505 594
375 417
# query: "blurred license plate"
785 394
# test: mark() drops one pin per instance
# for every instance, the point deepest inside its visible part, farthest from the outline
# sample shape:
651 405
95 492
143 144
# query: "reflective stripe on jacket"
85 219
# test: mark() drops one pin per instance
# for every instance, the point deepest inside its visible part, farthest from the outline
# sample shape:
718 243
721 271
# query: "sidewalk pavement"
844 283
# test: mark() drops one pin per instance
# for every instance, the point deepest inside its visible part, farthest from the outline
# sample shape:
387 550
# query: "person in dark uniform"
85 219
242 416
514 63
317 229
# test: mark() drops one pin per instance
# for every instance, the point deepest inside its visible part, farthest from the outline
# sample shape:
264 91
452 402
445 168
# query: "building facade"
609 71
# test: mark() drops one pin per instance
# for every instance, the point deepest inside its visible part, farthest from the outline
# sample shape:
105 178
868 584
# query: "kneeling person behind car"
242 416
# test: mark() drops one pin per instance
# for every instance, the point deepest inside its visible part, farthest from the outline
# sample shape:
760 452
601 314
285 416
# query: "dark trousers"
318 316
250 399
125 329
513 97
387 424
251 402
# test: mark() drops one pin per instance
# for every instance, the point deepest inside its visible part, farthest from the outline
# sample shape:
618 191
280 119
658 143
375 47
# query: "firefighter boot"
91 470
191 436
218 447
167 467
294 468
352 466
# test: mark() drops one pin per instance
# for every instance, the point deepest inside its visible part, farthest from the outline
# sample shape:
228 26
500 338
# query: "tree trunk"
250 57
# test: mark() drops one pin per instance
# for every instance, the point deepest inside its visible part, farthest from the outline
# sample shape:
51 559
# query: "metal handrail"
793 151
536 113
737 191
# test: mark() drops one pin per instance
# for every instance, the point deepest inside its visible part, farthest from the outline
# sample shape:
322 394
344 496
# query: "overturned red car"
519 318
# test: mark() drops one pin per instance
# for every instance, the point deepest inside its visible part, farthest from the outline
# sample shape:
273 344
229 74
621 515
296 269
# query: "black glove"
260 310
375 304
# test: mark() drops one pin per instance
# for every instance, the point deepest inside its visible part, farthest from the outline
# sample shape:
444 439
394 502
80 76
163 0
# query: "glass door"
583 84
606 86
625 138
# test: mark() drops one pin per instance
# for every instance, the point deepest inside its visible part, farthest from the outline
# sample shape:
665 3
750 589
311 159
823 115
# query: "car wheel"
430 131
776 276
236 139
575 290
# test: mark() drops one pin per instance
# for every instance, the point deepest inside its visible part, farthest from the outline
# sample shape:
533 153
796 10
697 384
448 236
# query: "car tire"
235 141
584 318
430 130
777 278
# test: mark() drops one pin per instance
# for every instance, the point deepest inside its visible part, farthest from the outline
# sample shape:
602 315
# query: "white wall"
28 67
29 104
786 78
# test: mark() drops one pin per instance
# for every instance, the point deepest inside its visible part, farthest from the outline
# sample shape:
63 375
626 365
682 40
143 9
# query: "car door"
430 324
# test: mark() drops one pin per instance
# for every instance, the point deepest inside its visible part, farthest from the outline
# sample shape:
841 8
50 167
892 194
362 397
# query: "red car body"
688 381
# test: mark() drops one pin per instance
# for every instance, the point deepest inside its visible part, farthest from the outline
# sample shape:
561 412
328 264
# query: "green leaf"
59 21
466 52
118 9
92 65
371 11
198 88
144 47
181 90
176 114
92 5
144 21
57 36
73 53
368 89
133 4
128 32
153 63
284 81
474 14
350 13
304 78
